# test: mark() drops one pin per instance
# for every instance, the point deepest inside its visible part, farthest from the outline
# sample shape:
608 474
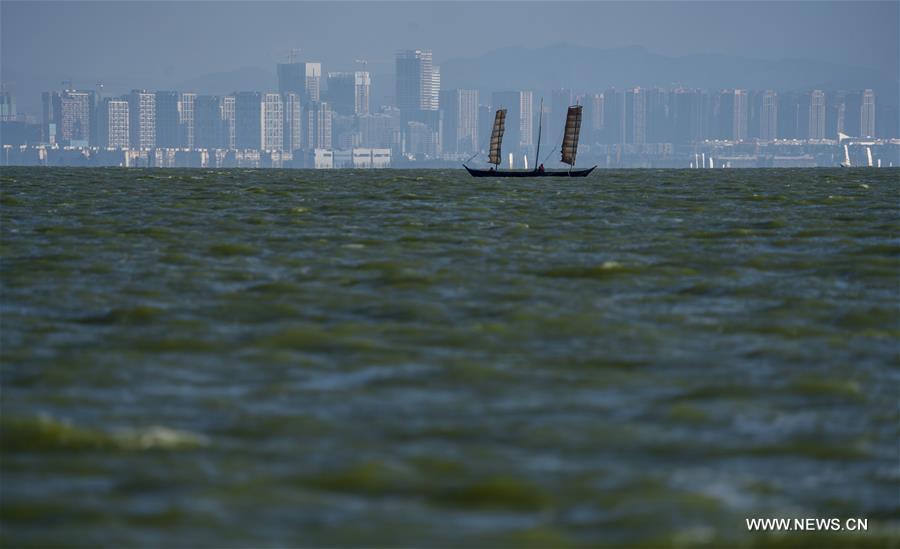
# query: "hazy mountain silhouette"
584 69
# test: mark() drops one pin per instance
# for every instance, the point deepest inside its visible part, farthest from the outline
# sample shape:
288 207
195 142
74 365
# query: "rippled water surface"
259 358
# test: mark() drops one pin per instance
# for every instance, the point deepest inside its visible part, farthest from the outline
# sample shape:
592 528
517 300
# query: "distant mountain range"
584 69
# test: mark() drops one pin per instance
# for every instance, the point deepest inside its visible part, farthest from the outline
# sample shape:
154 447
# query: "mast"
537 155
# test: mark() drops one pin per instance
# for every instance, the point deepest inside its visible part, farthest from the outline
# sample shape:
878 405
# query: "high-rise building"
560 99
460 121
867 114
363 92
348 92
313 81
76 118
635 112
658 116
768 117
142 119
167 119
248 113
485 125
341 92
113 121
789 116
415 81
68 118
380 130
593 104
689 115
293 122
435 94
816 126
613 117
733 114
50 113
740 115
304 79
208 126
186 120
272 137
228 121
7 106
318 126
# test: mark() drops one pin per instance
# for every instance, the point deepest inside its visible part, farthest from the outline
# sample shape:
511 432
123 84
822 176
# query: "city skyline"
431 101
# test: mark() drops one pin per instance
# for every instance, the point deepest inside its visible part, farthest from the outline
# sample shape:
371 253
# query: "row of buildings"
332 111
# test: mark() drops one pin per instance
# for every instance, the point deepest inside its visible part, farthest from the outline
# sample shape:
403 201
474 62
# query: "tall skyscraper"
68 118
293 122
167 119
867 114
228 122
460 121
348 92
688 115
435 94
50 113
635 111
318 126
142 119
76 118
304 79
485 124
313 81
248 112
768 118
560 99
613 117
113 123
789 116
272 137
186 120
7 106
341 93
740 115
816 126
208 126
658 116
363 92
733 114
415 81
593 104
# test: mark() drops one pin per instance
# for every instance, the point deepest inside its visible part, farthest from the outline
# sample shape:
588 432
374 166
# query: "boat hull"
528 173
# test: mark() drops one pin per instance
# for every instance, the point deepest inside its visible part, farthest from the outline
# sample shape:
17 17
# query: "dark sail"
570 140
497 136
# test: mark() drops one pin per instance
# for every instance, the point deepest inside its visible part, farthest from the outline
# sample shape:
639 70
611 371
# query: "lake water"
258 358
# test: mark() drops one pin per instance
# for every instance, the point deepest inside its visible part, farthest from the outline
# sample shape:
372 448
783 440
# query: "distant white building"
322 159
362 158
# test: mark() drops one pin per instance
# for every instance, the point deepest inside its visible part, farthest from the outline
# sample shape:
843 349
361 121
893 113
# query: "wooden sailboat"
569 149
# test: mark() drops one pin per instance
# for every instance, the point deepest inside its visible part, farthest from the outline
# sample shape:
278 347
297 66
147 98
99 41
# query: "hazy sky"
158 44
